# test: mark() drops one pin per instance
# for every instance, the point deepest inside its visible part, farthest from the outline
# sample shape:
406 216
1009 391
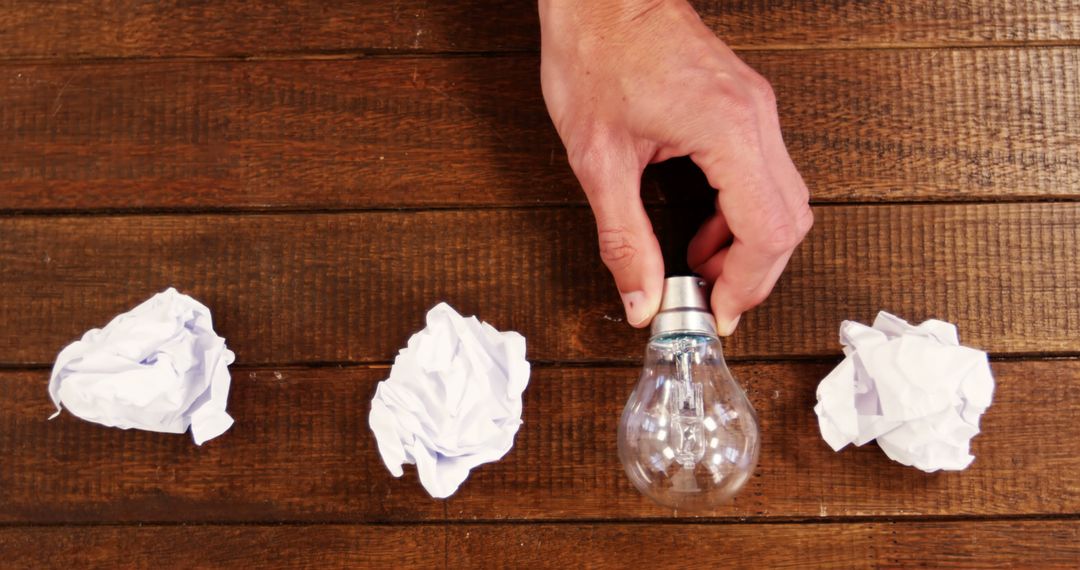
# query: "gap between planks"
563 364
472 207
389 53
621 521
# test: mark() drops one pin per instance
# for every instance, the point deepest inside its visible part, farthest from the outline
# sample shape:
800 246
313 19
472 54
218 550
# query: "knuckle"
745 93
783 232
731 91
780 238
744 110
589 155
760 89
579 152
617 249
805 220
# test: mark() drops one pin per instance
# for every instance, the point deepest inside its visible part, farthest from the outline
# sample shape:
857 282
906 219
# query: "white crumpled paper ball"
158 367
452 401
912 388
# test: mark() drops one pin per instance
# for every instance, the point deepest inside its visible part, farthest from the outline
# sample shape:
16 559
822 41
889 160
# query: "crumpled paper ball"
912 388
158 367
452 401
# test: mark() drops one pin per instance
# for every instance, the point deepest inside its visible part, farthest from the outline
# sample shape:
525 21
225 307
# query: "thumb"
628 246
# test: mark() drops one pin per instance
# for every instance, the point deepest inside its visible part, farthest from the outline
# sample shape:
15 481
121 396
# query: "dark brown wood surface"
51 29
863 125
288 288
320 174
879 545
301 451
952 544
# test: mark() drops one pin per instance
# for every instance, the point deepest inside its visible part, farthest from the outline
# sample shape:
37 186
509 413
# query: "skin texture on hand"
628 83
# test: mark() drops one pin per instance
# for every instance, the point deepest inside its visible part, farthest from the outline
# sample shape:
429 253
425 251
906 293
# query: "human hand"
632 82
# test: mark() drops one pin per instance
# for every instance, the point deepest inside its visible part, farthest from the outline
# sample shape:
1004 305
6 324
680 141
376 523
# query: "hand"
628 83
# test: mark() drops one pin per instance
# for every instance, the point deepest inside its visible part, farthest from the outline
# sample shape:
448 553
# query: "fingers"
628 247
763 202
791 185
742 279
764 233
711 236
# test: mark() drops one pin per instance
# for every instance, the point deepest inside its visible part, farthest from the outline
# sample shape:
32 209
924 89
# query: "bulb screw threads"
684 308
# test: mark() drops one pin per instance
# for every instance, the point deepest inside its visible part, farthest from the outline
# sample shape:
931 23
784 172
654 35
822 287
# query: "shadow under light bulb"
688 437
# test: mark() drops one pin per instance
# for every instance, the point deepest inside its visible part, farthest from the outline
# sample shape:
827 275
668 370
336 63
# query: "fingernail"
725 328
636 310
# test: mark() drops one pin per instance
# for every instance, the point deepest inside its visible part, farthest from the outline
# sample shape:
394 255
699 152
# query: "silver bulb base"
684 308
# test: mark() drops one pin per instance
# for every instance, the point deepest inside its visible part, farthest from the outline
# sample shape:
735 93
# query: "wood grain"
863 126
222 546
320 200
291 288
44 29
301 450
950 544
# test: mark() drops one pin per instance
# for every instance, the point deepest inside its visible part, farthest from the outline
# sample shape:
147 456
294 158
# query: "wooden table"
322 174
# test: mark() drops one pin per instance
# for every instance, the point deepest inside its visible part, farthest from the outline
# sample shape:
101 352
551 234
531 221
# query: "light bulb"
688 437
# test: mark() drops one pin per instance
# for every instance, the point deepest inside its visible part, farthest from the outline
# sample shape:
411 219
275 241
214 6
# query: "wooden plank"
289 288
39 28
877 125
301 450
44 29
772 24
215 546
948 544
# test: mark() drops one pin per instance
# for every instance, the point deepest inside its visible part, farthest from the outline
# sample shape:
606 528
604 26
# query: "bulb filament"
689 410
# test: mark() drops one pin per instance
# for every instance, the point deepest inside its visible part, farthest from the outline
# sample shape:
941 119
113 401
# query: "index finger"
742 279
766 230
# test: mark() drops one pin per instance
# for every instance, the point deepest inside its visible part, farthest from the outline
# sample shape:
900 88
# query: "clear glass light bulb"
688 437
